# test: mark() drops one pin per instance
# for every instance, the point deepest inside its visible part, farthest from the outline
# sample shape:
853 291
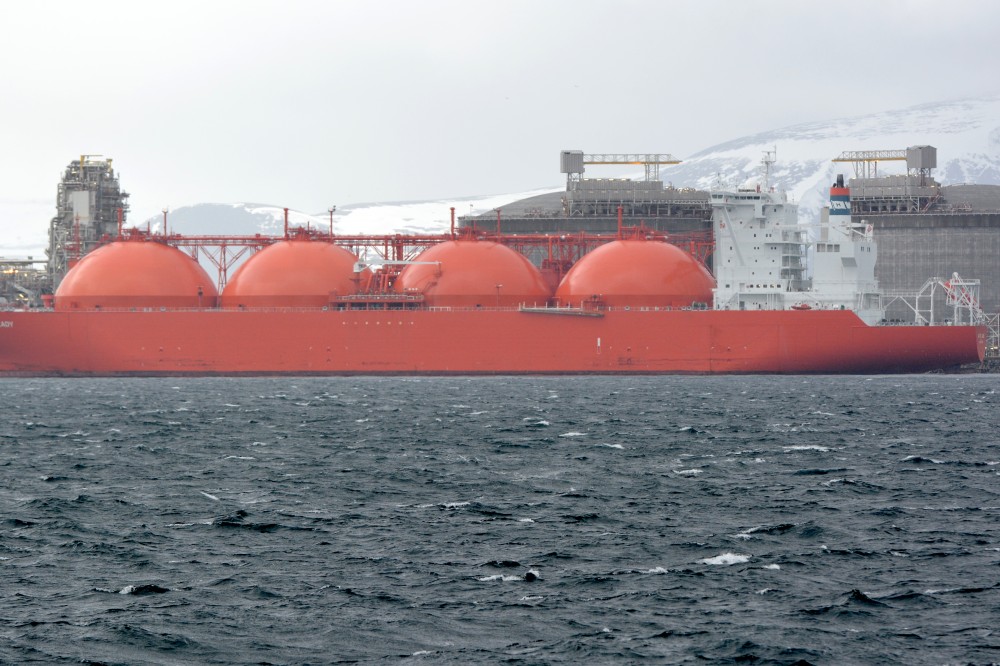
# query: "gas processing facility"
591 204
925 229
926 232
929 236
90 208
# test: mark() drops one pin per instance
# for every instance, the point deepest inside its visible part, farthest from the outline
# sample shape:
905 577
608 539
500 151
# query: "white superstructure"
843 261
761 255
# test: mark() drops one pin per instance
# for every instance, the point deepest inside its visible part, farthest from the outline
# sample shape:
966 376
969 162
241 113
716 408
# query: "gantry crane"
573 161
920 160
651 161
866 161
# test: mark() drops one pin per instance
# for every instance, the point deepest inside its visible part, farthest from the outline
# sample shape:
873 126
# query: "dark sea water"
759 520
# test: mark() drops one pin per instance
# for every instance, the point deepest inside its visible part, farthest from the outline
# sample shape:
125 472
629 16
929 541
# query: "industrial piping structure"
90 207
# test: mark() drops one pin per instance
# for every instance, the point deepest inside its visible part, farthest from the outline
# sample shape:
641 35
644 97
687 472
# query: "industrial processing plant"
934 241
926 229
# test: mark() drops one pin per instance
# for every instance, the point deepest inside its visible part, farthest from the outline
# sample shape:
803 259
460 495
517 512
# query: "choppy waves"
522 520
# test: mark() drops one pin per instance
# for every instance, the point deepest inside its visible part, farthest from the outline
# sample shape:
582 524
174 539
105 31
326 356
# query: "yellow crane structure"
866 161
651 161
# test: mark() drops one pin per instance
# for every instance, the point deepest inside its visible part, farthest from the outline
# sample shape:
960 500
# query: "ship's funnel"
840 200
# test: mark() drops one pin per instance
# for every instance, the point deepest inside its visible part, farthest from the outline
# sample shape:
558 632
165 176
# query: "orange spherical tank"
468 273
294 273
637 273
136 274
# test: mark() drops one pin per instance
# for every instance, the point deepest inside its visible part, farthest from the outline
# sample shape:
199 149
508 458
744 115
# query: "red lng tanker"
305 305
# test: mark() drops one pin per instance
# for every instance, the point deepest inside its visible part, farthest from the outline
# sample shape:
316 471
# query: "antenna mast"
770 157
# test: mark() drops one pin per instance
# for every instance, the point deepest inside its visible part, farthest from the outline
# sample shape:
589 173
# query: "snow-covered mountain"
965 132
413 217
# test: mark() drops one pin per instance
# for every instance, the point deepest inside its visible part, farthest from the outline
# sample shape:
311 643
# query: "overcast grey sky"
310 103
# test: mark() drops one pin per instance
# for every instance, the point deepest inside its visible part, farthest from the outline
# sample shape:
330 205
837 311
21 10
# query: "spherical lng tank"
136 274
637 273
294 273
473 273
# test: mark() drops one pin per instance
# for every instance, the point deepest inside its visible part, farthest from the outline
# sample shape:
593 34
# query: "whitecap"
936 462
209 495
657 570
613 446
573 434
726 559
772 567
501 577
525 520
764 591
687 472
806 447
529 599
455 505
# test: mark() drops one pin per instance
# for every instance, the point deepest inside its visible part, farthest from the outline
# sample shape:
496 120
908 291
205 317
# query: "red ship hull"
471 341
